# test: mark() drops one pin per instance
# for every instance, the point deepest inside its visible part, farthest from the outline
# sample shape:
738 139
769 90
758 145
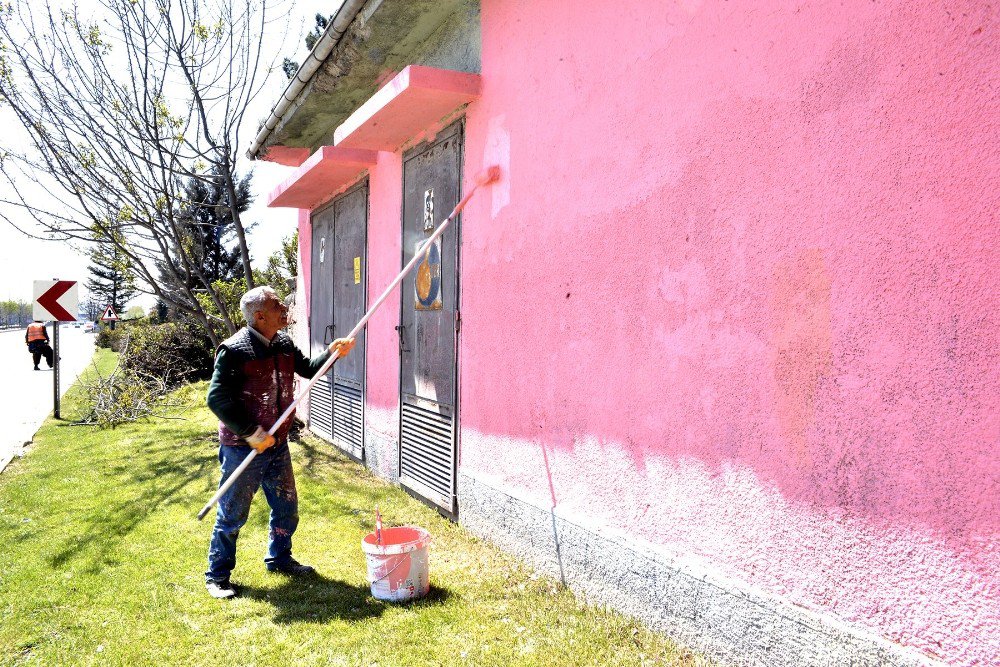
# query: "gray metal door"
321 318
429 321
349 260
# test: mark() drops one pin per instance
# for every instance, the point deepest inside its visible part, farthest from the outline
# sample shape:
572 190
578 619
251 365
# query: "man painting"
251 387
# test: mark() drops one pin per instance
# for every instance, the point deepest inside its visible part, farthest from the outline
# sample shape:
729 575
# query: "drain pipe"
321 49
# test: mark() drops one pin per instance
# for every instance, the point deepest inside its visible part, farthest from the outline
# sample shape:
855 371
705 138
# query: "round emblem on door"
428 279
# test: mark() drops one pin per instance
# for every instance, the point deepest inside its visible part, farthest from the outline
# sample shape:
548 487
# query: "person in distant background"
37 339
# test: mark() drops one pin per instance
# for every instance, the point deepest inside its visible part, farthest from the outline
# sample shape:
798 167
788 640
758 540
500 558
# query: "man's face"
273 316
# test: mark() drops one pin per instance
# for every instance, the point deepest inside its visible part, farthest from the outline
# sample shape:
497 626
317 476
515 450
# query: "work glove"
344 345
260 440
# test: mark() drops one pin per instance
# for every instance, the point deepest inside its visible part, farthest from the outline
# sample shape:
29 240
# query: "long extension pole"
487 177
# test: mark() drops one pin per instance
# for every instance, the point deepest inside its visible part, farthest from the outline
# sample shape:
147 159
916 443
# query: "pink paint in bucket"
397 567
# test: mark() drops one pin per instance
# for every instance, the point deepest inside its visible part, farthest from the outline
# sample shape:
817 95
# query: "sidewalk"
26 394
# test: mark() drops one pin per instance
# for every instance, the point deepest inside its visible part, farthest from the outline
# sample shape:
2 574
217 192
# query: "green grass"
102 563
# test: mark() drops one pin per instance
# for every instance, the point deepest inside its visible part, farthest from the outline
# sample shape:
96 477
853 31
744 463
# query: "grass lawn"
102 563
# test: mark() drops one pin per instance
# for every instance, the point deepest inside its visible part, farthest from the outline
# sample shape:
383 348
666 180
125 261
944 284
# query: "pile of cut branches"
126 395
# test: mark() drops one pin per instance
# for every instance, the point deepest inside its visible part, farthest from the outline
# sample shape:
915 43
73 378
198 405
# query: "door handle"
328 331
401 330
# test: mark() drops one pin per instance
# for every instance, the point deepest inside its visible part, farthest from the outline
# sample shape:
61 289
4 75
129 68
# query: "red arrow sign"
49 301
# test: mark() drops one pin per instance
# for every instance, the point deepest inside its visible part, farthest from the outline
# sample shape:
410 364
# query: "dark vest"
268 381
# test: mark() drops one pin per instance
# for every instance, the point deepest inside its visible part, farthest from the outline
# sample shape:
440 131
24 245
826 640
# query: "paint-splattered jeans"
271 471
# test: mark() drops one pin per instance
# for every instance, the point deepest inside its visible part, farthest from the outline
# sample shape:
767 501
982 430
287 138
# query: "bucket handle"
398 563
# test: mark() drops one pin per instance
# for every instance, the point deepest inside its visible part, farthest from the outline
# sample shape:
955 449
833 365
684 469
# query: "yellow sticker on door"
357 270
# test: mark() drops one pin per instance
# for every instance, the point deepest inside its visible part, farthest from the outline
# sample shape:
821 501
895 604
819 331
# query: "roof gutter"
321 50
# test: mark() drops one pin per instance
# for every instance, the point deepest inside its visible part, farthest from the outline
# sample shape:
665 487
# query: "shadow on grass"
317 599
435 596
322 462
151 485
315 453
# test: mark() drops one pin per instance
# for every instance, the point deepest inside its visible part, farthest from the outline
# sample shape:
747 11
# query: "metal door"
349 260
321 318
429 321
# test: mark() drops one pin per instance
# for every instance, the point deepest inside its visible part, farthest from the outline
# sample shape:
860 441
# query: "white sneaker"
220 590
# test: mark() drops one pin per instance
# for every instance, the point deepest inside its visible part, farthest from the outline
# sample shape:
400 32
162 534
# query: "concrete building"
721 348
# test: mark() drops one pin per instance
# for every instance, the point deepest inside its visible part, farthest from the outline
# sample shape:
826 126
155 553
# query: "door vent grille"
426 454
321 408
347 423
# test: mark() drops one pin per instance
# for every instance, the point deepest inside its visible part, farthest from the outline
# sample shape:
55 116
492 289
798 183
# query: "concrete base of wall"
700 609
382 455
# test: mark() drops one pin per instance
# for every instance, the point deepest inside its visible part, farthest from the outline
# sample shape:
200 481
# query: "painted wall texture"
385 261
739 294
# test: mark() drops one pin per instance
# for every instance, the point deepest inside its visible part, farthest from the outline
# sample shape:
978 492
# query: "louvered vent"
427 455
321 408
347 424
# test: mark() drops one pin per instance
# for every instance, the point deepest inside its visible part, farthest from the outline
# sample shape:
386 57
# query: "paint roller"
486 177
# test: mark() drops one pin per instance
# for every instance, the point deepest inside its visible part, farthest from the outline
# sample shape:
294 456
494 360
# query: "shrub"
154 358
176 352
108 337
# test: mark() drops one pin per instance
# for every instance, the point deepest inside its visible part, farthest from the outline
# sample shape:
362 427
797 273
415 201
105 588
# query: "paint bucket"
397 568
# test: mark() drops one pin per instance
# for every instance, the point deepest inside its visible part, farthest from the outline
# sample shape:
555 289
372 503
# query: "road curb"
18 452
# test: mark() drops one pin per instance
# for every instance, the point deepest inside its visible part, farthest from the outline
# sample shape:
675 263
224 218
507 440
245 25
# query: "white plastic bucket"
397 568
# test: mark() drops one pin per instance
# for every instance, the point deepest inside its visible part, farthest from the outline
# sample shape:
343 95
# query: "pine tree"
206 223
321 23
111 282
289 66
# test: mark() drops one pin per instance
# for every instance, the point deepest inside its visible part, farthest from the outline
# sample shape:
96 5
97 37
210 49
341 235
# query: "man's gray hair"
254 300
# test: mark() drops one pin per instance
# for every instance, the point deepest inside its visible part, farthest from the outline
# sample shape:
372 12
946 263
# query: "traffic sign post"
55 369
59 301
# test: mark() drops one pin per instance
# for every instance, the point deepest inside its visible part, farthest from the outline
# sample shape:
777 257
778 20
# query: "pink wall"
304 285
384 262
739 293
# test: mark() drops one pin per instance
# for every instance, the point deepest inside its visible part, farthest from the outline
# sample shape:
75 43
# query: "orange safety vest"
36 332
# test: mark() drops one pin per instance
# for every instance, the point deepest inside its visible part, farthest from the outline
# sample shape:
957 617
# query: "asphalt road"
26 394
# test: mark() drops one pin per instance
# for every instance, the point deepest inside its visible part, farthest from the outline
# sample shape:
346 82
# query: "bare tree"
120 110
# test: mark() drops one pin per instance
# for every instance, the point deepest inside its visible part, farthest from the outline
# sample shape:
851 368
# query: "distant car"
88 327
